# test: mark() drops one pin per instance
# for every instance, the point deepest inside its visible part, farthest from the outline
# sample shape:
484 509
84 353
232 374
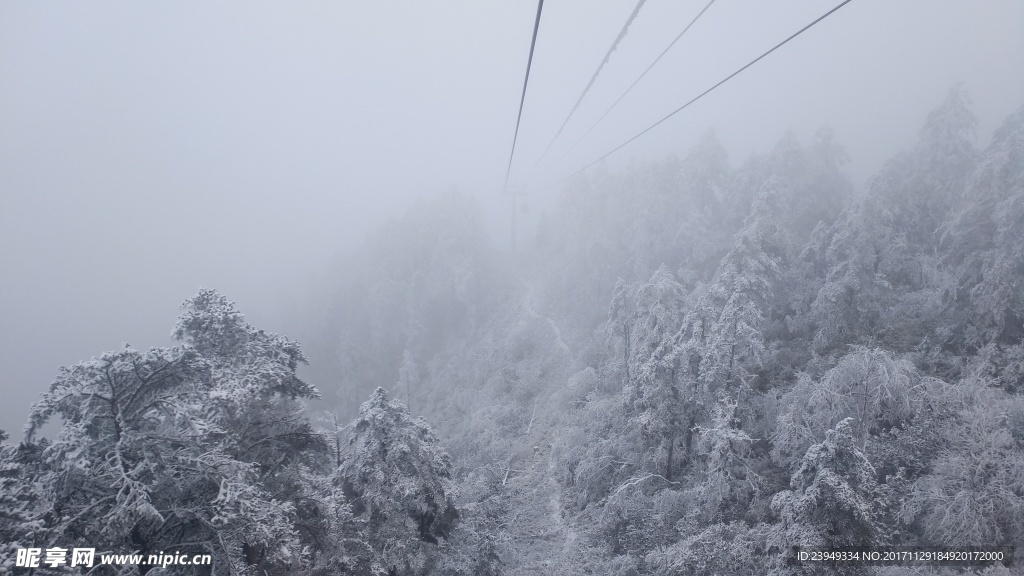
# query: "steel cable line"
706 92
607 56
639 78
522 99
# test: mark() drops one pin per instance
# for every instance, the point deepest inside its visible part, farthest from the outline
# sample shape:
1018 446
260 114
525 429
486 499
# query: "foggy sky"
148 149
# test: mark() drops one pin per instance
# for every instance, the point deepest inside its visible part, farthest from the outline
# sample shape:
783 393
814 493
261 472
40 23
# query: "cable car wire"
640 77
522 99
709 90
593 78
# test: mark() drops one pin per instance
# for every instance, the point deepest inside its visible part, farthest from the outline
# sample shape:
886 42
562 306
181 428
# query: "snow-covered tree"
875 389
947 154
137 464
722 344
729 479
398 481
256 399
985 238
884 282
973 493
22 500
185 448
831 498
722 548
648 317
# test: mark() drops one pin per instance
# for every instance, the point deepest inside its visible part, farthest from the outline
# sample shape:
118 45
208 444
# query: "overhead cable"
607 56
522 99
641 76
706 92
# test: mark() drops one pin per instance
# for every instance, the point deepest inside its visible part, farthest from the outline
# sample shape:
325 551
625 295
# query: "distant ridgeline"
694 369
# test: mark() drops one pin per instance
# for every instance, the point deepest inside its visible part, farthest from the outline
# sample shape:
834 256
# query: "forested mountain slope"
694 368
699 365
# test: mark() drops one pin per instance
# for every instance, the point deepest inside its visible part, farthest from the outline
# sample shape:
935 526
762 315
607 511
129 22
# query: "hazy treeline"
694 367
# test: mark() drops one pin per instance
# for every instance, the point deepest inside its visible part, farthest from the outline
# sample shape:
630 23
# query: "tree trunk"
625 350
668 461
688 439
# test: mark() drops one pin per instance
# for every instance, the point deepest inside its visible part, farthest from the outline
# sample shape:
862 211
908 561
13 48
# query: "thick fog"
149 149
364 339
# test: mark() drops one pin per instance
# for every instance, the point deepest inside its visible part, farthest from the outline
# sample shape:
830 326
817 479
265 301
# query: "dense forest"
694 367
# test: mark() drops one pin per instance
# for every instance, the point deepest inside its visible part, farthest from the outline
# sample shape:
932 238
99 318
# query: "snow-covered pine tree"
985 243
648 317
398 480
884 282
721 344
829 503
22 499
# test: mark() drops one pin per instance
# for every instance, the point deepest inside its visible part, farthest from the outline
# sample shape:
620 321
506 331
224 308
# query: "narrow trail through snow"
528 305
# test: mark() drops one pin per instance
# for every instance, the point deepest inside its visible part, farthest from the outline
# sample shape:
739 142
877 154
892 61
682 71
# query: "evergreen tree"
653 399
721 344
884 282
398 481
830 500
23 511
985 240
